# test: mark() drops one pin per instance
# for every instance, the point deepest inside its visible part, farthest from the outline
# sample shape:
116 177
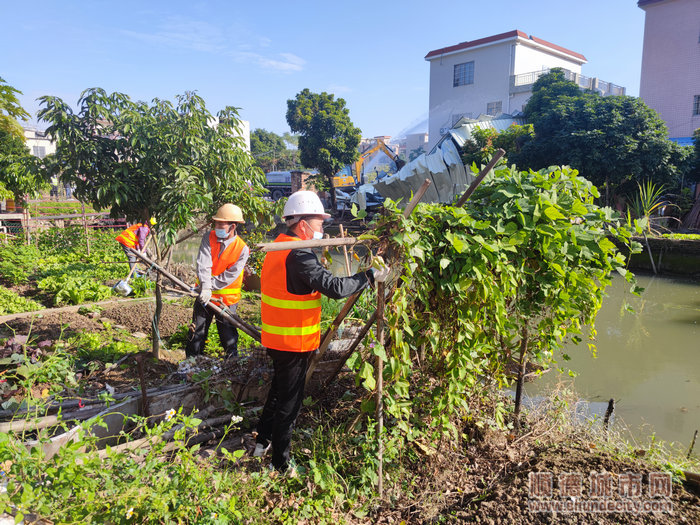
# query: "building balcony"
523 83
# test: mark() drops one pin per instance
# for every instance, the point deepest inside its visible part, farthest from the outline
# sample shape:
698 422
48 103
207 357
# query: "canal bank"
667 256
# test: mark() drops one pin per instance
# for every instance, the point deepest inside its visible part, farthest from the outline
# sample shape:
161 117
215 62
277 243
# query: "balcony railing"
523 82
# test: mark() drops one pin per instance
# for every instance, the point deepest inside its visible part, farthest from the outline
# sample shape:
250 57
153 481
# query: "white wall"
494 63
528 59
35 139
671 63
491 81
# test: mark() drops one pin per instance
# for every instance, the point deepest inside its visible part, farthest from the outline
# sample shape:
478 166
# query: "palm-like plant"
648 206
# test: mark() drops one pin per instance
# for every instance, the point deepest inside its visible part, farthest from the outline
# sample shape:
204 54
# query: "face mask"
317 236
221 233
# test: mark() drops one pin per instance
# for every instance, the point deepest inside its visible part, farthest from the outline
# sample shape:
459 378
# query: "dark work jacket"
305 274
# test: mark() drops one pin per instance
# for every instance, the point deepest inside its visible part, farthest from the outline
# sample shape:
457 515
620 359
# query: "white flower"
169 414
129 513
236 419
214 515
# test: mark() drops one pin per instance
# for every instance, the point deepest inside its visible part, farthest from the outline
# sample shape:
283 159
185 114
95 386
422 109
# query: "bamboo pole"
311 243
380 390
496 157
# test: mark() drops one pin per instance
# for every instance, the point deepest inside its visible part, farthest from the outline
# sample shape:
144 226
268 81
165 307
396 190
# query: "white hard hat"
304 203
229 213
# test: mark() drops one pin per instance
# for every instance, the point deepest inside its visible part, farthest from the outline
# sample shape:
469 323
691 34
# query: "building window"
494 108
464 74
696 105
39 151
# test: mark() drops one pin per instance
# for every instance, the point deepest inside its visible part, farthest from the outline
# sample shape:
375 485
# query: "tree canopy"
271 152
328 139
20 171
612 141
176 162
11 110
20 175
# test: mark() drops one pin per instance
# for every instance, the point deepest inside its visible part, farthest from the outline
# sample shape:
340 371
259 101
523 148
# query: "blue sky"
256 55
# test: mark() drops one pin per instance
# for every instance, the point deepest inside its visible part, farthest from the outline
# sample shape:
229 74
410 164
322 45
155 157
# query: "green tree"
328 139
694 169
548 90
20 176
483 142
614 142
11 110
175 162
271 152
20 172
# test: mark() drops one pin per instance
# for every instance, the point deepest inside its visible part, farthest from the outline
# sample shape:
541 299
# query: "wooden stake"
26 221
85 229
496 157
692 444
608 413
345 252
380 390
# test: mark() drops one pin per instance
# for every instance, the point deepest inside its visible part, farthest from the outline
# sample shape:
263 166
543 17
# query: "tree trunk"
155 332
521 375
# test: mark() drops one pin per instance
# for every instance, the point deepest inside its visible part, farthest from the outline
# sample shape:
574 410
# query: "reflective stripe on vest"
290 322
128 236
220 262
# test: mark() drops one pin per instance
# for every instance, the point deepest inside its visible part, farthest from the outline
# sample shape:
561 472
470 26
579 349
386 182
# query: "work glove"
205 295
380 269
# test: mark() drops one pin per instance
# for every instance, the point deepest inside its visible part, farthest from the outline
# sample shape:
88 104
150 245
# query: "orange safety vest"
220 261
290 322
128 236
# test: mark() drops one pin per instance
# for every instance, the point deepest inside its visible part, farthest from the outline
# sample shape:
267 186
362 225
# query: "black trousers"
283 403
199 329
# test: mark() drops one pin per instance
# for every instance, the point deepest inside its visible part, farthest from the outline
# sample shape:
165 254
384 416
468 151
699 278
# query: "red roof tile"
503 36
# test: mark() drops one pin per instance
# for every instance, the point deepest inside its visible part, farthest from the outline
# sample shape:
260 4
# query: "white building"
670 81
495 75
38 143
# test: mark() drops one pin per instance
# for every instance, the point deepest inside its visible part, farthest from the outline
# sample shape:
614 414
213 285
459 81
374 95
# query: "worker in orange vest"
292 282
134 238
220 262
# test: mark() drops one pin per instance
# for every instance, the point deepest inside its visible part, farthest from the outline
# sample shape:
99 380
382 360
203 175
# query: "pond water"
648 361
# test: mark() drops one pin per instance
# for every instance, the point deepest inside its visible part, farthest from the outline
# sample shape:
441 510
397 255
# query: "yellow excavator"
352 175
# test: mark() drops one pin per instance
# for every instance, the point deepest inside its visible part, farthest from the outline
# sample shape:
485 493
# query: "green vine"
505 280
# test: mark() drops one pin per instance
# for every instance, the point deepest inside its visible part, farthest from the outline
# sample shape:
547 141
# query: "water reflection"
648 361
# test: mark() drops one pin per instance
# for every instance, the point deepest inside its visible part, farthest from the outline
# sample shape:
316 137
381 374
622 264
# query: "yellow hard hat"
153 221
229 213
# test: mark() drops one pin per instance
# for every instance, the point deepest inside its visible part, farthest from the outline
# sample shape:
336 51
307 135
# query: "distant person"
54 187
220 263
134 238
